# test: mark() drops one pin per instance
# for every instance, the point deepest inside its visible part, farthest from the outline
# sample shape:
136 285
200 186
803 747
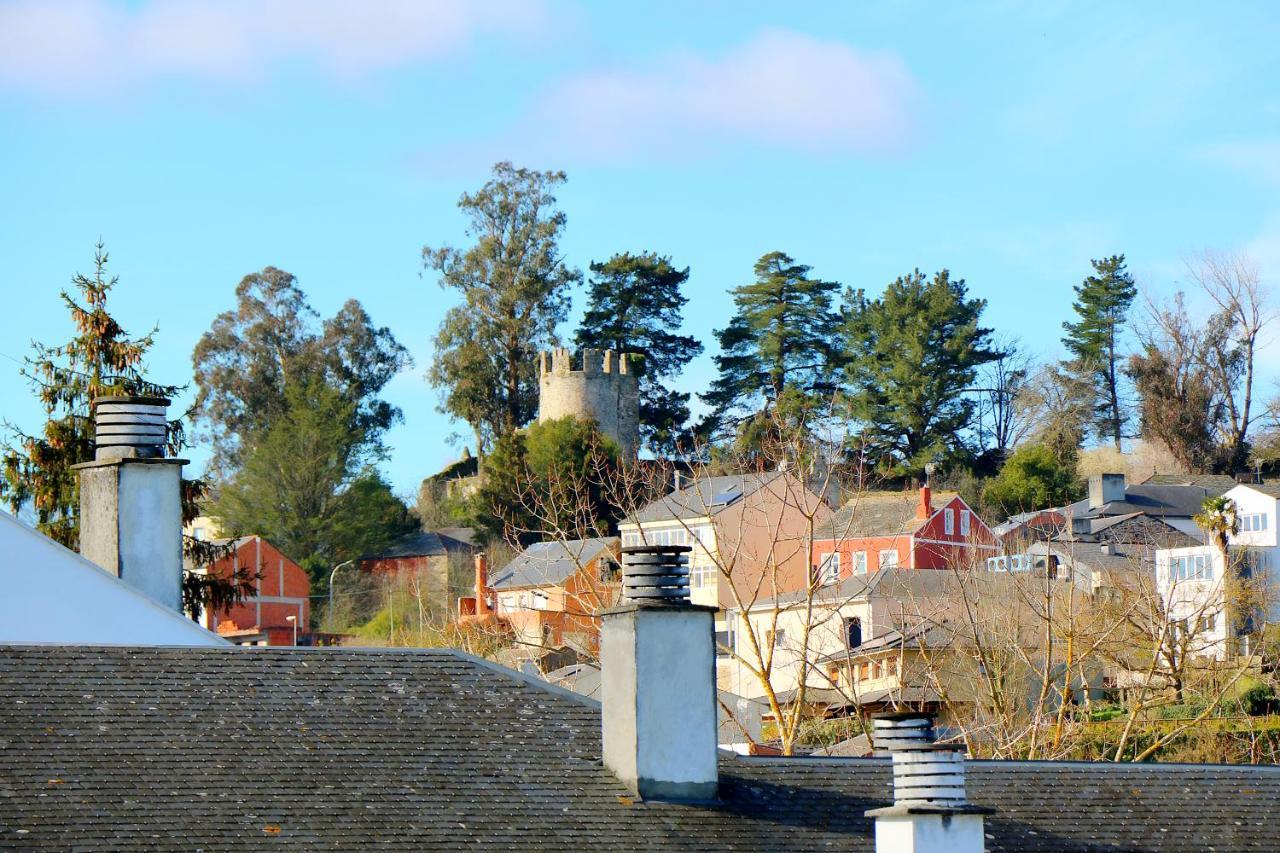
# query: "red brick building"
910 531
282 590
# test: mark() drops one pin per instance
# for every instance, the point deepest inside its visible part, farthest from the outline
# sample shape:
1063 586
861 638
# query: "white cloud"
77 45
779 88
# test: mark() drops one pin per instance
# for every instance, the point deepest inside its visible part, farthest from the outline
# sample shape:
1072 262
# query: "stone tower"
603 389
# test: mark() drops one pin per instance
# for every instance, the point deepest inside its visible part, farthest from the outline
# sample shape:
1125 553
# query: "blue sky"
1010 142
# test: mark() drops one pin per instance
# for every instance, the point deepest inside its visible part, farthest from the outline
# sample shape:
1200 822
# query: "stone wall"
601 387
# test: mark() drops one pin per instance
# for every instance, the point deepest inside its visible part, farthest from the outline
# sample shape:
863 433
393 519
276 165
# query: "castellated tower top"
601 385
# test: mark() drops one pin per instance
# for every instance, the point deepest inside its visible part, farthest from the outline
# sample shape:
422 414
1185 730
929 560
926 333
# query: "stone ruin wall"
600 387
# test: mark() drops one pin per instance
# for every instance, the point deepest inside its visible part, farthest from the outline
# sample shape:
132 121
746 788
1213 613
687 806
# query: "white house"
53 595
1193 583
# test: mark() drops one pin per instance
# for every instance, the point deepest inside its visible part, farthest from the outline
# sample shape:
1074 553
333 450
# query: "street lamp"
293 620
329 616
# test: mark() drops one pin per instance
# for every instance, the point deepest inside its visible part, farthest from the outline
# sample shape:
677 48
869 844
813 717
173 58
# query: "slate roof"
1175 501
428 543
1219 483
708 496
1272 489
550 563
900 582
878 515
134 749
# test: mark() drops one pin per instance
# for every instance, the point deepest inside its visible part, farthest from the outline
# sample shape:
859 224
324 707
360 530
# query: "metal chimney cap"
130 427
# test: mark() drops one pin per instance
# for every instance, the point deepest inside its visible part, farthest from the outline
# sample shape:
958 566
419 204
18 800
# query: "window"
631 538
852 632
775 639
889 559
701 575
1192 567
893 666
997 564
877 670
864 671
828 568
859 562
1019 563
1253 521
964 522
949 520
726 640
1209 622
609 570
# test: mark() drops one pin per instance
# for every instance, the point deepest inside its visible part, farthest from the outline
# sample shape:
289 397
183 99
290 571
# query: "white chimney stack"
930 812
657 657
131 498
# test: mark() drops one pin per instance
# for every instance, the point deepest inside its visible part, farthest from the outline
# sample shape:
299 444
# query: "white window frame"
964 522
859 562
893 562
828 568
949 521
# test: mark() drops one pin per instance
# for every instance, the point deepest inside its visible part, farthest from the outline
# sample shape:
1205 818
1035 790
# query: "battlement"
561 362
600 384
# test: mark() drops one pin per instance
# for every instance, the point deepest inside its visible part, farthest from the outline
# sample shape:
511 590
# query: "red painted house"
909 531
282 590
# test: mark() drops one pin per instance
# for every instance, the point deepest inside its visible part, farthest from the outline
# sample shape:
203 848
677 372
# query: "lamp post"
293 620
329 615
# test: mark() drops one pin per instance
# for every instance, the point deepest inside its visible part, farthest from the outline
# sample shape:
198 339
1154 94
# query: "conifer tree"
1102 304
779 351
912 356
634 306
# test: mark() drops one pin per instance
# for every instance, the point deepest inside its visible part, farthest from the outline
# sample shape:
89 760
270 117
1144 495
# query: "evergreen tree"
634 306
515 289
1102 305
1034 477
306 483
100 359
912 356
780 349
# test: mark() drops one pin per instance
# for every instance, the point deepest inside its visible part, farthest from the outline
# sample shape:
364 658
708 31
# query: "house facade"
876 531
439 559
1218 610
281 590
551 593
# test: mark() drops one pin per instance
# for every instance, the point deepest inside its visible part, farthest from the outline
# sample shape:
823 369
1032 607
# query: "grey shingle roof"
878 515
160 749
1175 501
429 543
550 563
1218 483
708 496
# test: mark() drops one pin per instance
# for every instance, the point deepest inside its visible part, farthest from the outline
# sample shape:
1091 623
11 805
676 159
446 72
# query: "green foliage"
780 349
1102 304
99 359
1032 478
912 355
549 480
515 290
249 355
634 305
305 484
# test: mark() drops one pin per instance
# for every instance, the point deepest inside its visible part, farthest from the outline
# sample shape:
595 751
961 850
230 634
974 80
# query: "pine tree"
1102 304
633 306
100 359
912 356
779 351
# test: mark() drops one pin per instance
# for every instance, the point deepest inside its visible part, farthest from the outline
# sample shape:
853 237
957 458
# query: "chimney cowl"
657 574
130 427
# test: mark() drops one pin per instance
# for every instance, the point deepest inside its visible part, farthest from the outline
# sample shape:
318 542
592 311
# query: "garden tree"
634 305
1180 395
780 349
1234 286
306 483
515 290
270 341
1102 304
913 354
1001 423
100 359
1033 477
1058 408
549 478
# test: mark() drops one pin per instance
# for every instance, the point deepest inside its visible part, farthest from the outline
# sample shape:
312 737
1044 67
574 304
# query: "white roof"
49 594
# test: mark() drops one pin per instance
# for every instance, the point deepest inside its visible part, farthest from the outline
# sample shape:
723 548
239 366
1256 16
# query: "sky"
1008 142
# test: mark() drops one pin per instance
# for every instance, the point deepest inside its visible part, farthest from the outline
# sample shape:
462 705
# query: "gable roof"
895 582
139 749
50 594
426 543
550 563
879 514
1218 483
1174 501
707 496
1270 489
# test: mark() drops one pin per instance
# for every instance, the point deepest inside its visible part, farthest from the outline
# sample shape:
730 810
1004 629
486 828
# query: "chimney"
482 585
1105 488
930 812
131 498
925 508
657 656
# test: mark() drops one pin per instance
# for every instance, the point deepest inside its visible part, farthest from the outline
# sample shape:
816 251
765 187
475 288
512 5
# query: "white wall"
49 594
